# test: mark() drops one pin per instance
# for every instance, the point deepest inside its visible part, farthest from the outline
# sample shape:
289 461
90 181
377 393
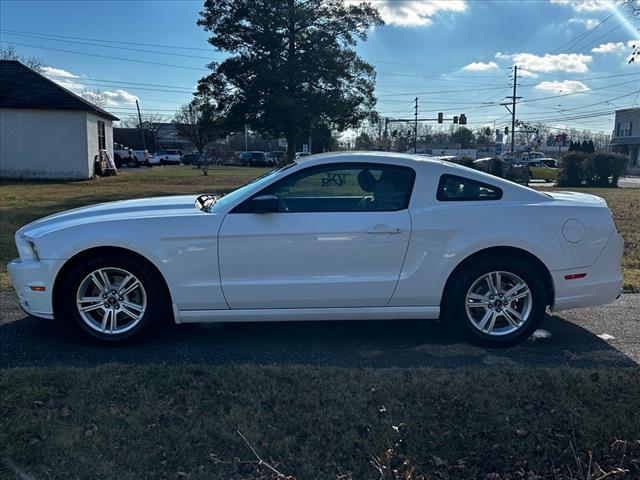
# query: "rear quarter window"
452 188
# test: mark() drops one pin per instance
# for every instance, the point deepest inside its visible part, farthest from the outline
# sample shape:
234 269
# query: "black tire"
455 311
158 306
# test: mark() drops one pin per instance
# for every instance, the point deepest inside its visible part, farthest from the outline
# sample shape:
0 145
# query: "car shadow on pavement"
29 341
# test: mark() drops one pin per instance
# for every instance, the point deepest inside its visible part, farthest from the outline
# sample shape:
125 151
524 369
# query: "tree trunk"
291 146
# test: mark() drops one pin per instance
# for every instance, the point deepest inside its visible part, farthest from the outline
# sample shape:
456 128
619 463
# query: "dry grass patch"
131 422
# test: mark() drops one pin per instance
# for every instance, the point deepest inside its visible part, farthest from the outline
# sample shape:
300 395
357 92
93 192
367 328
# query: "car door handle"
383 229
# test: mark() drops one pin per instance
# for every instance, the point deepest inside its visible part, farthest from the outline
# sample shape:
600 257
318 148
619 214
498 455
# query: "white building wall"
44 144
92 138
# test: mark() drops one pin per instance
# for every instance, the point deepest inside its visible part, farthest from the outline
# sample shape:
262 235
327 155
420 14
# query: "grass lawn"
22 202
131 422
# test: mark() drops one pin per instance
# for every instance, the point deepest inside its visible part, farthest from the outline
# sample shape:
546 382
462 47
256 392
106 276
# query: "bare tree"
634 9
148 119
34 63
198 123
94 96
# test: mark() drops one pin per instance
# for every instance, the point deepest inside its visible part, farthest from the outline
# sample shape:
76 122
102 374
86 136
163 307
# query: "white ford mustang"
336 236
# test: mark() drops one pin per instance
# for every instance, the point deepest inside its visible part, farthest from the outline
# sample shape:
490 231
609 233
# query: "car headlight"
26 249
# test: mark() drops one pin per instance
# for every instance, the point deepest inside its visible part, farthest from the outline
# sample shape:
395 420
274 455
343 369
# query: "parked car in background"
192 159
166 157
482 164
549 162
276 157
541 171
122 156
306 241
141 157
530 156
253 159
241 158
260 159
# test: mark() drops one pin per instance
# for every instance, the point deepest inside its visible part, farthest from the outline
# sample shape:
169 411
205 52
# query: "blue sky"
456 56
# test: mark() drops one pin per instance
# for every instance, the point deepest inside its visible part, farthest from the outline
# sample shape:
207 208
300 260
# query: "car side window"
345 188
455 188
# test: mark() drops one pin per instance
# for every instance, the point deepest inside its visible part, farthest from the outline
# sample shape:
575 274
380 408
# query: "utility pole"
415 129
246 143
512 111
144 140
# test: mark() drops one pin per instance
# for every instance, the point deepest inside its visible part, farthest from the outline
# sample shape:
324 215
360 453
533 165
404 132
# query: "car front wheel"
497 304
112 299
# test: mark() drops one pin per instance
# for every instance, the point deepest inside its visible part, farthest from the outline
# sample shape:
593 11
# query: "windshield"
259 181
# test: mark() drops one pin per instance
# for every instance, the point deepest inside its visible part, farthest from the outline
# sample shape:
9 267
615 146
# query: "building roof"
24 88
631 109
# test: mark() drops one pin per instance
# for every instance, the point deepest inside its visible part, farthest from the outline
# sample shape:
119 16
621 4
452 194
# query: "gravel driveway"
607 336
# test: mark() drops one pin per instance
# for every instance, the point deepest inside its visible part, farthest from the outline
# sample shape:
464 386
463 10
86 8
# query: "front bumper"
27 274
600 286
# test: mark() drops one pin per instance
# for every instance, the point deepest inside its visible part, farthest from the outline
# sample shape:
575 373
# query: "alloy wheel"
498 303
111 300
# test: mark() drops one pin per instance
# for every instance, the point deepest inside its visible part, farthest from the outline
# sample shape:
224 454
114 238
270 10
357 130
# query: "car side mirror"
265 204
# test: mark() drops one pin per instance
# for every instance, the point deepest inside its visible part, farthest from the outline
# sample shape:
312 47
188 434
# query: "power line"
109 57
118 47
115 41
582 36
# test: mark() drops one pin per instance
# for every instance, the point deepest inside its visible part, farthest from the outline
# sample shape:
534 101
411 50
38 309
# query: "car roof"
417 162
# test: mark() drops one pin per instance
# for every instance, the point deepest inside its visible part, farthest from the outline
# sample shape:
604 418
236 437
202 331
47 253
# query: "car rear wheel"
113 299
497 303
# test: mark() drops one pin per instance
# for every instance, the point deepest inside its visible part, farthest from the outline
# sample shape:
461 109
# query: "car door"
337 239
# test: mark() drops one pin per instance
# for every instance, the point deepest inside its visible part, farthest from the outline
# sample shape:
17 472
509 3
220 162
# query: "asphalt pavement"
607 336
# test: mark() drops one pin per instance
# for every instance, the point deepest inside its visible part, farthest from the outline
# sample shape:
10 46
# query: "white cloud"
564 86
73 82
119 97
58 72
415 13
586 5
587 22
63 78
480 66
526 73
563 62
609 47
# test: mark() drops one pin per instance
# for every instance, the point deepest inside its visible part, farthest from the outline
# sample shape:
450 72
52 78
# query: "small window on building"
452 188
102 139
624 129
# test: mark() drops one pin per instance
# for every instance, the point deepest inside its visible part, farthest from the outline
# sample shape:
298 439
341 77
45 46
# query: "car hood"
126 209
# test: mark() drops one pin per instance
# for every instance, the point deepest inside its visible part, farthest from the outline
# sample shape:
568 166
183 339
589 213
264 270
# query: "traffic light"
506 130
463 119
487 131
440 117
455 119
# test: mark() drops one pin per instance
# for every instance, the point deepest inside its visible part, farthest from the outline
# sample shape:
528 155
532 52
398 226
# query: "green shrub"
594 170
495 167
604 169
571 170
466 162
